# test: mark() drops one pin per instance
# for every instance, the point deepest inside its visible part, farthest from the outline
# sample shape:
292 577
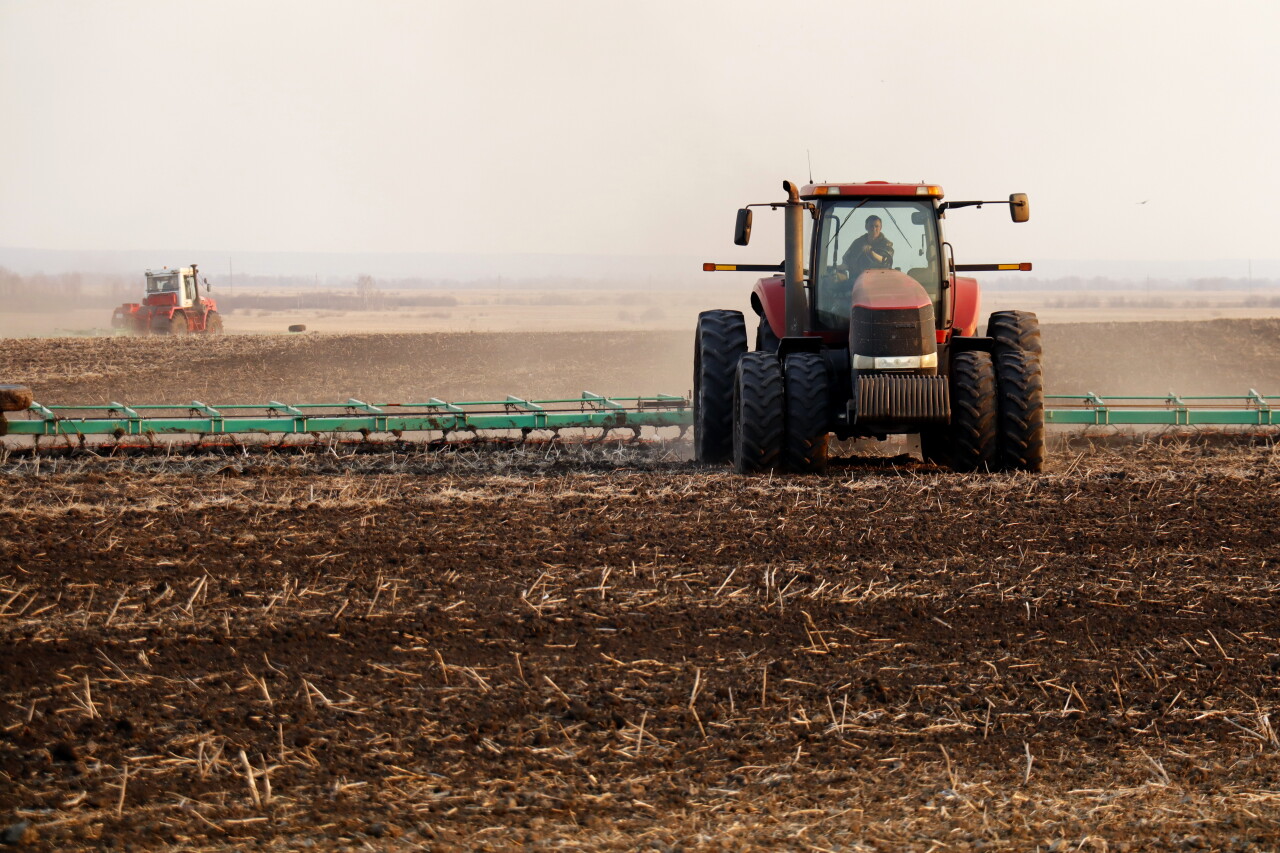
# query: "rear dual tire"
720 340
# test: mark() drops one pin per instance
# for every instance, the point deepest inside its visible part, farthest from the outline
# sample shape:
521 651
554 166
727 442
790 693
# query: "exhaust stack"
797 303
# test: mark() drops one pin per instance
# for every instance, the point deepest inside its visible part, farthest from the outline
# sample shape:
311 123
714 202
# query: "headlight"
894 362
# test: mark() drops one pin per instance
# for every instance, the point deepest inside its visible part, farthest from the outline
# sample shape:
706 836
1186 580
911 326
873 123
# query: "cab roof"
869 189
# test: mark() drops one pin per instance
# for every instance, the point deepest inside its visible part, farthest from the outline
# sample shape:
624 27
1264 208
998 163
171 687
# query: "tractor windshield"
855 235
162 283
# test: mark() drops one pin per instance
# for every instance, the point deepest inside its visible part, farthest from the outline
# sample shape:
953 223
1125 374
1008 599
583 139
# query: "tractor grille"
892 331
896 399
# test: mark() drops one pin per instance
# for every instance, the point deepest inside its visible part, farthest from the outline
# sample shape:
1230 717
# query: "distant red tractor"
865 330
172 306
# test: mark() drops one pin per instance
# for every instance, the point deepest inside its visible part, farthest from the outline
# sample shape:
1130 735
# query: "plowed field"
1215 357
611 648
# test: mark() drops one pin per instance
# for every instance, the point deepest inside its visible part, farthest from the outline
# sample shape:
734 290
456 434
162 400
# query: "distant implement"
172 305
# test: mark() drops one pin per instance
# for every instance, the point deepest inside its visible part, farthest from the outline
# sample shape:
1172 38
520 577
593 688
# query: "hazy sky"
633 128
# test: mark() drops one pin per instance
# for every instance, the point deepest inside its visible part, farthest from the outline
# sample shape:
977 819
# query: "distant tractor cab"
172 305
865 330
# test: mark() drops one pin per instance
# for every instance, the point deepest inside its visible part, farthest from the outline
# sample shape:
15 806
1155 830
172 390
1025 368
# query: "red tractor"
865 330
172 306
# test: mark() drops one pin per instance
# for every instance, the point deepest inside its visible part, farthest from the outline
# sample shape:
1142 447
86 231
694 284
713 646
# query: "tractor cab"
173 287
857 234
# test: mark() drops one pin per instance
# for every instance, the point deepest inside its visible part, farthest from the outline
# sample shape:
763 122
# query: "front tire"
1020 412
162 325
759 424
805 447
213 323
719 341
972 438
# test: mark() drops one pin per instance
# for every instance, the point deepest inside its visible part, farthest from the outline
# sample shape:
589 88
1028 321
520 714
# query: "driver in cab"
871 251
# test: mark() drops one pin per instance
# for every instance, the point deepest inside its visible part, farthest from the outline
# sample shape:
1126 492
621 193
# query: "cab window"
855 235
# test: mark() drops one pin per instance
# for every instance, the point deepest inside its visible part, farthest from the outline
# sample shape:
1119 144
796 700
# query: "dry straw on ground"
618 649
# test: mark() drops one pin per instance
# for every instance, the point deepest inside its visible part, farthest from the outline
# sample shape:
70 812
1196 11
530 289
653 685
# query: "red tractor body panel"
161 300
882 290
870 189
769 299
967 304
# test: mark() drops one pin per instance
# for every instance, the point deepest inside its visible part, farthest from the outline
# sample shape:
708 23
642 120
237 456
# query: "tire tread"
973 437
805 446
719 341
1020 411
759 423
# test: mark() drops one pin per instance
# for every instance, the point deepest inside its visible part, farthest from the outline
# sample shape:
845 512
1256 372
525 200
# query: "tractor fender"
769 300
968 302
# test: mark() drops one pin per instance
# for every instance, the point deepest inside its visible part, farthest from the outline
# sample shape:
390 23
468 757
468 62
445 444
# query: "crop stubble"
411 650
608 647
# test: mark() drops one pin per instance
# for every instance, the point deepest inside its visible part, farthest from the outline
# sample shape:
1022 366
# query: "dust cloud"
1189 358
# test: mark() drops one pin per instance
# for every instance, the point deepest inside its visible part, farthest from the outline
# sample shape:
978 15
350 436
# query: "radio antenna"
810 159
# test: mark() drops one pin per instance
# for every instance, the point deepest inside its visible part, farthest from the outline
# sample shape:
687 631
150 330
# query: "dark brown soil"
1214 357
608 648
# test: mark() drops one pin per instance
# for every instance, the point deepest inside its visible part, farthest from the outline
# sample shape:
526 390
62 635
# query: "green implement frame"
590 411
1253 409
587 412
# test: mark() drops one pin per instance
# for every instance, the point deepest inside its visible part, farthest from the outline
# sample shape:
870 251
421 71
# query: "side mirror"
917 217
1019 208
207 285
742 229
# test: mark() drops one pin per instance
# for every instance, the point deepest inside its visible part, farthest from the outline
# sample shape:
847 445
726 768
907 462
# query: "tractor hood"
881 290
891 325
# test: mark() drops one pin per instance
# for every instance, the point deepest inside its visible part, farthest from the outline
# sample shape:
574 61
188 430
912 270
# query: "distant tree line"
41 292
